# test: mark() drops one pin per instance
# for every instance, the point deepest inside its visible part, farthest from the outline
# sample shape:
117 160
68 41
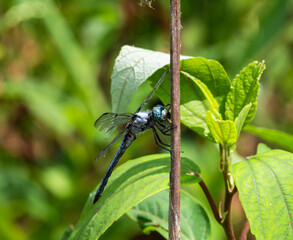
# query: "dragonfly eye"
157 113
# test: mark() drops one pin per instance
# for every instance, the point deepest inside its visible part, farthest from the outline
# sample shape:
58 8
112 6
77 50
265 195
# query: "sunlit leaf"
152 215
132 67
212 74
223 131
129 184
208 99
239 121
244 90
261 148
265 186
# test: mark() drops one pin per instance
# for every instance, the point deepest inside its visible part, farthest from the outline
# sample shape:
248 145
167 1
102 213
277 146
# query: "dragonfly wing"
150 94
113 142
108 122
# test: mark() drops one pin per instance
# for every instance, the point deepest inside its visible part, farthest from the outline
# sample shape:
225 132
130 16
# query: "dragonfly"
136 123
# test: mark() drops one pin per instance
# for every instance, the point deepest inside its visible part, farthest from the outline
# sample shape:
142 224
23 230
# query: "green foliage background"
56 58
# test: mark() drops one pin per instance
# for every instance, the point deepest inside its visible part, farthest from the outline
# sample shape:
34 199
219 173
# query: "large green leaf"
273 136
129 184
265 186
204 93
196 98
132 67
244 90
152 215
212 74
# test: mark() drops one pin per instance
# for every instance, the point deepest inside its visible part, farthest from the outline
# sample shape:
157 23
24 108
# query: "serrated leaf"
244 90
212 74
265 186
239 121
195 101
223 131
152 214
132 67
280 138
207 97
129 184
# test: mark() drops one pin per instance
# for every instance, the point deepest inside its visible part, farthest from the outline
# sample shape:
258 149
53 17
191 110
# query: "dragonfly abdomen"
126 141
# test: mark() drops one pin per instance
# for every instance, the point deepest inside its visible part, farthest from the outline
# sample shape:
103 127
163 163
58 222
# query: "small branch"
221 158
227 223
245 230
211 201
174 200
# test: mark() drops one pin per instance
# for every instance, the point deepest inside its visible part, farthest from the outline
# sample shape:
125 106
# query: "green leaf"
244 90
132 67
261 148
265 186
223 131
212 74
152 215
207 98
280 138
206 91
239 121
129 184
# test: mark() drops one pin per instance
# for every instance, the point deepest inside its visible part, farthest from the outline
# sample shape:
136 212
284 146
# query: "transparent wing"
108 122
114 141
150 94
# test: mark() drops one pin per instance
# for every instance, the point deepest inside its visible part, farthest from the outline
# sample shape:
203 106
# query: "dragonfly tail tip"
96 199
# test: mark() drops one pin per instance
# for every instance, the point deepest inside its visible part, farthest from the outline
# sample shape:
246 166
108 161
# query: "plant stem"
174 200
227 224
227 212
221 159
245 230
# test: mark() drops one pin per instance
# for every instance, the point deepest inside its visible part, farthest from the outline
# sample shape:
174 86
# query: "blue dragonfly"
136 123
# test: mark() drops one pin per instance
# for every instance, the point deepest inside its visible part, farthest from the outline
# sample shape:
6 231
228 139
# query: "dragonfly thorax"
142 121
141 118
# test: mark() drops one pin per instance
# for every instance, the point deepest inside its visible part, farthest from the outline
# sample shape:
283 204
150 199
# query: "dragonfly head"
159 112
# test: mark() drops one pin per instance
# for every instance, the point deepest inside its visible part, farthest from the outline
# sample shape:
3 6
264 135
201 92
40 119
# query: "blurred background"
56 59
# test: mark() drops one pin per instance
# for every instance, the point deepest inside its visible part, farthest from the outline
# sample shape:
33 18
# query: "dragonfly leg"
159 141
164 129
